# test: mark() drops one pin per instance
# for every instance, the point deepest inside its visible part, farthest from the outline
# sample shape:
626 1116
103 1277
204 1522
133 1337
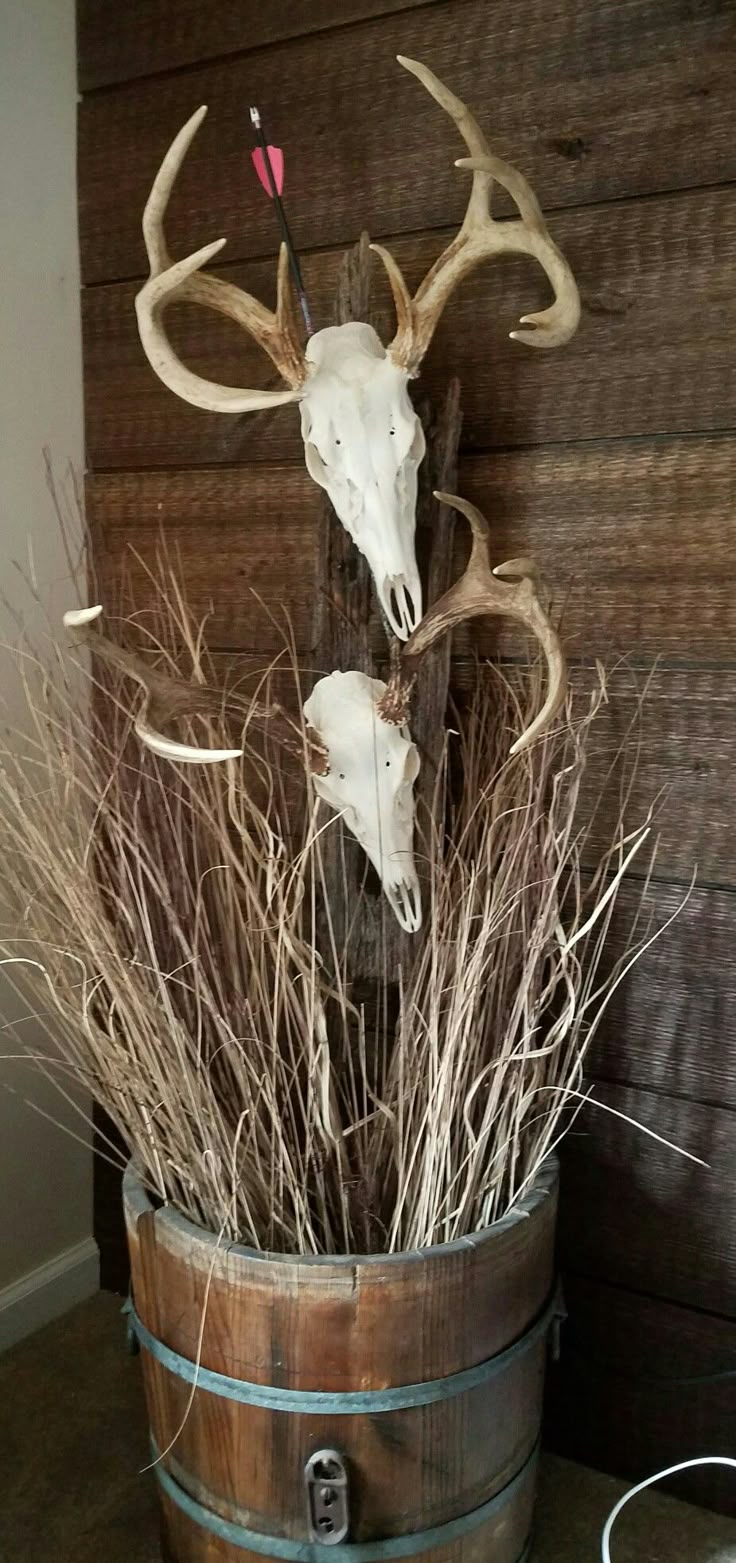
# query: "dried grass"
168 916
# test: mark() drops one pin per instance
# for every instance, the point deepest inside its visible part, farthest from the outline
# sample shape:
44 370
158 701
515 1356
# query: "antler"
180 281
480 237
395 703
167 698
479 591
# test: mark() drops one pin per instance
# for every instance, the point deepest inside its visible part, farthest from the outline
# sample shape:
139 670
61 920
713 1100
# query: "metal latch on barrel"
326 1481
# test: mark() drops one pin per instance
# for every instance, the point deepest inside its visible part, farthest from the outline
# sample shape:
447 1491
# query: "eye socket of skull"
406 443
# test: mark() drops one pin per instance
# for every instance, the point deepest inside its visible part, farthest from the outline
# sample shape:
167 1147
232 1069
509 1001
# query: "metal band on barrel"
345 1551
345 1402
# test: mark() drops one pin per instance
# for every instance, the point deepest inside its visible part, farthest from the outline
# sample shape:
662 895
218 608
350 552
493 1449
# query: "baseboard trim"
48 1291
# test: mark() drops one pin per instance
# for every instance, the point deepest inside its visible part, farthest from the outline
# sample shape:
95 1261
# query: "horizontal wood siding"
612 460
655 353
593 101
637 1213
143 37
600 522
624 1394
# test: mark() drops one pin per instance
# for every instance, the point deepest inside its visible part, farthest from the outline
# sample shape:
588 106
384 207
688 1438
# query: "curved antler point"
75 618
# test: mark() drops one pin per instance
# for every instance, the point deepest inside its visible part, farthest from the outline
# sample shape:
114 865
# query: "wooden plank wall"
613 460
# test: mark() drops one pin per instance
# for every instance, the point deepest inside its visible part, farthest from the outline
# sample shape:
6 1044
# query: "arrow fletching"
276 160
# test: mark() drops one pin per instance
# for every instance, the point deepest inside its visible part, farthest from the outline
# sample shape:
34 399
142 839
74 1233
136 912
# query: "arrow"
268 162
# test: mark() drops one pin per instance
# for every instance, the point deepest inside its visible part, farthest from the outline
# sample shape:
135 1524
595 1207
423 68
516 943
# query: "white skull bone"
373 767
363 443
363 440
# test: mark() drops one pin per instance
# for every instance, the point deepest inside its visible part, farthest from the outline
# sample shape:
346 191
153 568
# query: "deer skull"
373 765
363 443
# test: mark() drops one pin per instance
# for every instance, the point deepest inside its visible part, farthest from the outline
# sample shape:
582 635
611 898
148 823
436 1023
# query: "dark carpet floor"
73 1442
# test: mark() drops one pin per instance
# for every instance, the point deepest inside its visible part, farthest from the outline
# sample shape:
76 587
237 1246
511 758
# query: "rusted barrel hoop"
347 1402
406 1546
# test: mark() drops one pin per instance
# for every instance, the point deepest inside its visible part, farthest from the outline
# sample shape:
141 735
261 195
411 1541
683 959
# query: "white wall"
46 1254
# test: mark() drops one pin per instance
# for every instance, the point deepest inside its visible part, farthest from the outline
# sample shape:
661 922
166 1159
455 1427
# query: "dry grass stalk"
167 916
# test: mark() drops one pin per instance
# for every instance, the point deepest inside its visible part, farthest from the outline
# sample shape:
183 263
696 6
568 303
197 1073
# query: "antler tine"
166 698
480 591
276 332
479 238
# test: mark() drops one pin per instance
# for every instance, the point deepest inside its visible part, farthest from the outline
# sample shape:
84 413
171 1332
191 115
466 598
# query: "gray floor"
73 1441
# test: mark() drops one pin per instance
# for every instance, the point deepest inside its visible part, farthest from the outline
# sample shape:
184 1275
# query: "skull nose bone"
406 903
401 604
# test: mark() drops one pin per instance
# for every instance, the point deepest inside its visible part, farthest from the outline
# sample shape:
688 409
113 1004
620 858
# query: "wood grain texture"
357 922
501 1538
617 1401
117 43
640 535
593 102
666 737
671 1027
636 1214
678 750
655 350
301 1325
636 539
234 545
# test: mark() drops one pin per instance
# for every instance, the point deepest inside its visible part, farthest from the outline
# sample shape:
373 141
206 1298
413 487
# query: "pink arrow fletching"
276 159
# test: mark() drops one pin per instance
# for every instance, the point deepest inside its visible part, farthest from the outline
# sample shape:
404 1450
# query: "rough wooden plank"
357 921
680 749
655 350
639 534
639 1215
671 1026
636 536
617 1400
118 43
229 543
667 736
593 101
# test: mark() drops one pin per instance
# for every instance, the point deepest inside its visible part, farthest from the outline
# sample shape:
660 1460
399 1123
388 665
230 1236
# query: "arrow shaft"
283 224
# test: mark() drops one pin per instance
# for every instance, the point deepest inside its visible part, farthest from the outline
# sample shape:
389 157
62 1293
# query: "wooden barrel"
423 1372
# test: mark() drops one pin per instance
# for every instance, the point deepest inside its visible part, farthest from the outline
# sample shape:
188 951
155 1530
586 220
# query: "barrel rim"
138 1203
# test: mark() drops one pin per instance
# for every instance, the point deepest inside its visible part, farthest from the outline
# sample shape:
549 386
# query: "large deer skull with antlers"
363 440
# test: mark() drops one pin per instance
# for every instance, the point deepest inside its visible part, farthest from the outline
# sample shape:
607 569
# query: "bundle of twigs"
168 917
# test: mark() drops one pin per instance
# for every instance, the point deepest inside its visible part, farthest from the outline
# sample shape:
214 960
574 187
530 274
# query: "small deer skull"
373 765
363 443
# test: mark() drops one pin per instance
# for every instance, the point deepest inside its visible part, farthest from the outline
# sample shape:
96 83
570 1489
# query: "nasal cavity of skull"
402 612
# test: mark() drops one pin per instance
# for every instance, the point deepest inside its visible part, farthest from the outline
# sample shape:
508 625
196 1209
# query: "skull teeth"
402 604
406 903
